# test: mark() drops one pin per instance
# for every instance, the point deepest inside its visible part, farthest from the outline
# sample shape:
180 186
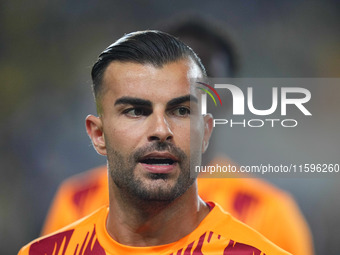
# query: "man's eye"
135 112
181 111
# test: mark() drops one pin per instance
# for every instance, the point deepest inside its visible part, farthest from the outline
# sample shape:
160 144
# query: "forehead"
149 82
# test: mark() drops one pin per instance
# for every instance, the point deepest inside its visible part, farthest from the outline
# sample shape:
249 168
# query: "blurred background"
47 49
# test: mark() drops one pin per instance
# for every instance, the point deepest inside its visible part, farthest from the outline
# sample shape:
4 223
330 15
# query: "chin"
163 189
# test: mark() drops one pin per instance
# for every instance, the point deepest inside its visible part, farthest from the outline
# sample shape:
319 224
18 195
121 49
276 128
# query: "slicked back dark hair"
144 47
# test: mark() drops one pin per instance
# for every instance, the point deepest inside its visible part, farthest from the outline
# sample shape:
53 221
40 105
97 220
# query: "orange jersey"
260 205
218 233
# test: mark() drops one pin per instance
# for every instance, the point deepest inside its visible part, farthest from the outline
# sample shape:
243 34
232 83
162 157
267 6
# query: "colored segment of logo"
209 93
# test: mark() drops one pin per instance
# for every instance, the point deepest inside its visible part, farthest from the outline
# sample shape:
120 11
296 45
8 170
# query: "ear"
94 129
208 128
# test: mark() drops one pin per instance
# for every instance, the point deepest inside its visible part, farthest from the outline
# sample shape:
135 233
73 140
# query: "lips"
159 162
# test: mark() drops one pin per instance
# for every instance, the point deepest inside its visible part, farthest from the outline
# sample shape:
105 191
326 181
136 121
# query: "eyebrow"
182 99
133 101
148 103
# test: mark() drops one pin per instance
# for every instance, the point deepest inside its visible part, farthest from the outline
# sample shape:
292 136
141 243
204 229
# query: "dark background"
46 52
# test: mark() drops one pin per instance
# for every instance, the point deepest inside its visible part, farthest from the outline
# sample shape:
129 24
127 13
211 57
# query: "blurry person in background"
147 112
257 203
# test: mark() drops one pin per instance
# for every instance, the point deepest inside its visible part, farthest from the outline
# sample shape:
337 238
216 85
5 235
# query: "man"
257 203
147 114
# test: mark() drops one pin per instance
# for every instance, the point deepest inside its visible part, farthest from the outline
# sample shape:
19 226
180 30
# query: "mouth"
159 162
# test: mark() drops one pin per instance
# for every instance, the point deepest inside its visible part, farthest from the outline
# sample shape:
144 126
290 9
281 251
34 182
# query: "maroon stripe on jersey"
242 204
80 196
179 251
188 249
47 245
209 237
82 246
75 252
235 248
198 249
95 249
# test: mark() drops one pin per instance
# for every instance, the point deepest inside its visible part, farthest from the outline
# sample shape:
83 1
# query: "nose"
160 129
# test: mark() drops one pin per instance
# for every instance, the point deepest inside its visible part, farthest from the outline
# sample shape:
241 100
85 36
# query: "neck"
152 223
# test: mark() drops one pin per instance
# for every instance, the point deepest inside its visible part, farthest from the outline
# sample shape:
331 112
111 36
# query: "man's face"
145 122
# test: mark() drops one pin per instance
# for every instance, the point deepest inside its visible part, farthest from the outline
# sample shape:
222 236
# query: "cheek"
196 136
122 137
188 136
